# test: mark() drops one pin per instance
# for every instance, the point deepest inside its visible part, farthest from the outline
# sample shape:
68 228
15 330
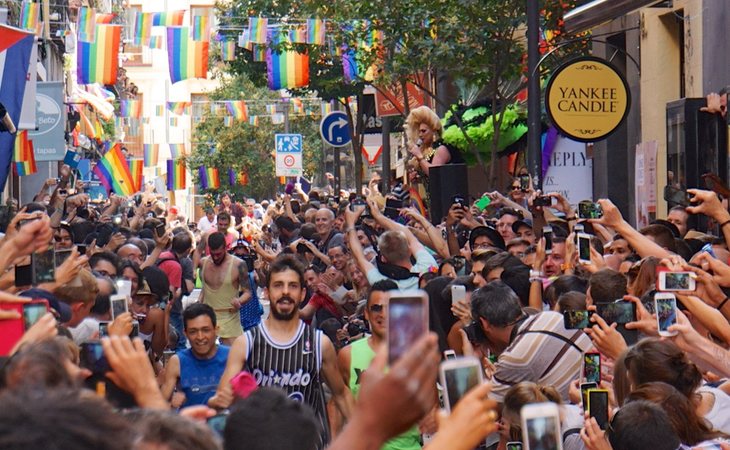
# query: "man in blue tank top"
197 370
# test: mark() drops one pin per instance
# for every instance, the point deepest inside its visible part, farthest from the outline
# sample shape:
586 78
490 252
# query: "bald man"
328 237
131 252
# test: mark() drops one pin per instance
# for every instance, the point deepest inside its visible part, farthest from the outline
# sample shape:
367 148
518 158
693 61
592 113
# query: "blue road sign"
335 129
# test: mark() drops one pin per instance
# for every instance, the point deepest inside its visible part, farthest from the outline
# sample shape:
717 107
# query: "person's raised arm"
709 317
236 359
413 244
641 244
702 351
708 203
353 242
500 199
438 243
161 243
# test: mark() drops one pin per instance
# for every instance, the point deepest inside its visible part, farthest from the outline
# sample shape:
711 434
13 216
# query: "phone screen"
541 433
584 388
677 281
666 311
92 357
459 381
592 368
584 248
407 321
548 235
61 256
103 329
217 423
124 287
577 319
621 312
44 266
119 305
23 275
32 312
598 407
514 445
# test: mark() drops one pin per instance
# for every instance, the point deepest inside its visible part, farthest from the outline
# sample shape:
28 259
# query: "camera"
589 210
474 333
543 200
460 200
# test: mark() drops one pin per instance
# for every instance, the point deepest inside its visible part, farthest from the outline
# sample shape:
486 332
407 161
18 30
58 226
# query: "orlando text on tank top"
293 366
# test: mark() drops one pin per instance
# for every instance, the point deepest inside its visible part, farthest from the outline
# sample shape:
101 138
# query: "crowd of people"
264 325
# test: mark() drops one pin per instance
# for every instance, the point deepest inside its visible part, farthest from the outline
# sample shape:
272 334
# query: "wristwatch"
536 275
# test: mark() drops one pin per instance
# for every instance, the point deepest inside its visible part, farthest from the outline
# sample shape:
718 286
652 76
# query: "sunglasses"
376 309
516 188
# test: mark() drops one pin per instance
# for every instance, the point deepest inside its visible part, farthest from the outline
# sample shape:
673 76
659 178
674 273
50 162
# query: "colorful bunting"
234 178
30 16
175 174
177 150
143 28
244 41
105 18
298 34
287 69
228 121
173 121
86 24
130 108
254 120
201 28
258 29
178 108
136 166
316 31
24 155
228 50
237 109
113 172
349 64
98 62
156 42
209 178
168 19
186 58
159 110
151 153
298 105
259 53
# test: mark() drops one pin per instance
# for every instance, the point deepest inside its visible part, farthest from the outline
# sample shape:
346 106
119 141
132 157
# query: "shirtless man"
224 278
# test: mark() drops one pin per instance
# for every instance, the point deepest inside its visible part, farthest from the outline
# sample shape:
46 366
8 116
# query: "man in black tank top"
286 353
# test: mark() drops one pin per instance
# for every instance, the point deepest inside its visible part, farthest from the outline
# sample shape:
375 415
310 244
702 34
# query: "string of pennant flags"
239 109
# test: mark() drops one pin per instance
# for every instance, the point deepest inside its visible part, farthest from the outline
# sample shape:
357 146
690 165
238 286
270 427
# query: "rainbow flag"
258 53
228 121
326 108
168 19
98 62
271 109
298 105
316 31
173 121
254 120
237 109
258 29
30 13
287 70
105 18
156 42
349 65
86 24
143 28
136 166
130 108
209 178
186 58
237 178
201 28
298 34
178 108
151 153
244 41
177 150
175 174
159 110
113 172
98 130
228 50
24 155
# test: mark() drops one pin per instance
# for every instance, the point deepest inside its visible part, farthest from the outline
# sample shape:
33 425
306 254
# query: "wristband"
723 303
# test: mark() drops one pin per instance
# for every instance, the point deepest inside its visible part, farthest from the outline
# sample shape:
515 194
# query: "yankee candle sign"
587 99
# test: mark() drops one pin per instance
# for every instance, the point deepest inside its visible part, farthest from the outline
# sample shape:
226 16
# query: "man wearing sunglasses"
356 357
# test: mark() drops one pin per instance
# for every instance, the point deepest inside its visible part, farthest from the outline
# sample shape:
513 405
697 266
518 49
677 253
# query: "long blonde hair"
423 114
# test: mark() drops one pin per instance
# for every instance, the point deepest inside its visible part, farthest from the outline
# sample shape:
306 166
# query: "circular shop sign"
587 99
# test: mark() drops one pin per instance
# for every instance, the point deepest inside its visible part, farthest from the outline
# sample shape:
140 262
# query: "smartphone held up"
407 321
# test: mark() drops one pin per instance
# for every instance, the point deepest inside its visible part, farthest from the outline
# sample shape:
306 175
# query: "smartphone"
584 388
60 256
665 306
23 275
357 202
589 210
457 377
103 329
458 294
547 233
620 312
407 321
166 355
514 445
577 319
592 367
217 423
449 354
543 200
124 287
598 406
679 196
81 248
676 281
44 266
11 330
135 330
541 426
91 356
584 248
524 182
392 207
119 306
460 200
160 230
33 311
483 202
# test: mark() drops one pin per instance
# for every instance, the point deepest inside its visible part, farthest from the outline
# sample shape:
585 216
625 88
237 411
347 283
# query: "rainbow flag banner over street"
113 172
228 50
238 109
105 18
136 166
178 108
23 154
237 178
209 178
287 70
151 153
177 150
30 14
175 174
186 58
258 29
168 19
130 108
86 24
143 28
316 31
201 28
98 62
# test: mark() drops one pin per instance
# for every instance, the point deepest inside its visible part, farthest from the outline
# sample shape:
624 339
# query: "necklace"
428 154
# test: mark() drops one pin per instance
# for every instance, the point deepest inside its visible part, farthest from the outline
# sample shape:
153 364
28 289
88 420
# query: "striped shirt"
293 366
542 351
